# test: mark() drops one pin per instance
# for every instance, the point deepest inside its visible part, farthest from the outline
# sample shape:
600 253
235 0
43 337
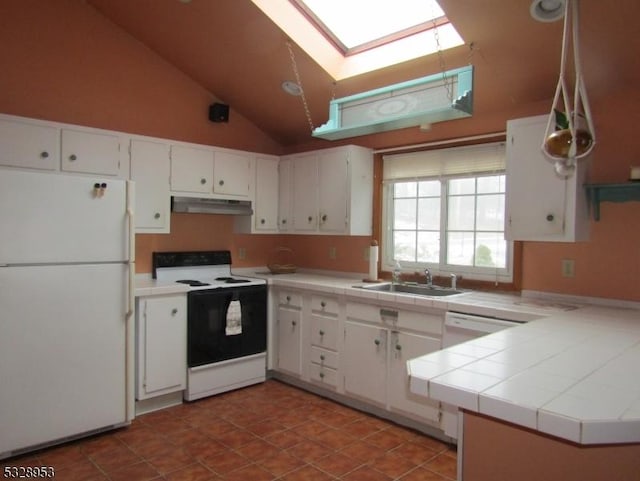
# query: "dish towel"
234 319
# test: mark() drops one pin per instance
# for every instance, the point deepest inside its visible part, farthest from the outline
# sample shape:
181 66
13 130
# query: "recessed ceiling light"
291 88
547 10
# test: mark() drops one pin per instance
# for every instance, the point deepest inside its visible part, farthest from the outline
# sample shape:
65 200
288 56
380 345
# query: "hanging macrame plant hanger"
569 135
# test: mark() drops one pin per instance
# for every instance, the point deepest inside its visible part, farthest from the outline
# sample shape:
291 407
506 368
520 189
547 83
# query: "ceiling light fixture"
547 10
291 88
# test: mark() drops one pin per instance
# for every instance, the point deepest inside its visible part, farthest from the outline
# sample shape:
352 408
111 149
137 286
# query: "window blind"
469 159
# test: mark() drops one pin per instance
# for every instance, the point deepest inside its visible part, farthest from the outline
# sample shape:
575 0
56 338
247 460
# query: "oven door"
211 312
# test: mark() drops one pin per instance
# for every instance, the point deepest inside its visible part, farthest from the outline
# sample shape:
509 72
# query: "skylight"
351 37
377 21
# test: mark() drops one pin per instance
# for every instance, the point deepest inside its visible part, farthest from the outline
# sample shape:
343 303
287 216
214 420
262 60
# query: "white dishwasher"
460 328
464 327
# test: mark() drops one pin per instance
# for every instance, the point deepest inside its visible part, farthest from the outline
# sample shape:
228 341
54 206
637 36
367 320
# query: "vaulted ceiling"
238 54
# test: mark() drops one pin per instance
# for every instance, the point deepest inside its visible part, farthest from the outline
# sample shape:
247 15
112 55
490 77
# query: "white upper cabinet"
29 145
332 191
305 193
232 173
87 152
540 206
191 170
285 168
150 169
266 196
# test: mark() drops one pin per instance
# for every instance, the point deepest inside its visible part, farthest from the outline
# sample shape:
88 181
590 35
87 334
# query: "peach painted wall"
62 60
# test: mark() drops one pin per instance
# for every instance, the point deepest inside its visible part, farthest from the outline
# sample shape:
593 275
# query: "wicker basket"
281 262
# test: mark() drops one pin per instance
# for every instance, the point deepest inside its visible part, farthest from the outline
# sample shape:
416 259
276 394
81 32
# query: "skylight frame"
301 30
332 38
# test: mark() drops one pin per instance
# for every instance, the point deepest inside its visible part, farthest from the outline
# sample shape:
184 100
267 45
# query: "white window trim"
387 262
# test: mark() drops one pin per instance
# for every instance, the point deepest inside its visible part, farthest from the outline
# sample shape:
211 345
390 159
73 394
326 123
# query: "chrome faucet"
397 271
427 274
454 281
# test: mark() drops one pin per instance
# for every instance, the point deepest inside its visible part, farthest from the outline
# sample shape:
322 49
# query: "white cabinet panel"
191 170
540 205
285 173
289 340
365 362
90 152
333 189
266 203
405 346
231 173
305 193
162 345
29 145
150 169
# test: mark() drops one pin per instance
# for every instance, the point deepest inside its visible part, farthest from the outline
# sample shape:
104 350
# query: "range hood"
199 205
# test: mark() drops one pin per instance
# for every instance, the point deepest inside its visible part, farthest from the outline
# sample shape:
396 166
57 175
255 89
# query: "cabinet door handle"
221 182
323 304
550 217
377 342
203 181
321 375
156 215
44 154
294 323
398 347
288 298
310 219
321 332
322 357
324 217
284 221
174 311
73 157
262 221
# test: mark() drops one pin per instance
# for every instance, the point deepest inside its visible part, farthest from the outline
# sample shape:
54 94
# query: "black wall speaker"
219 112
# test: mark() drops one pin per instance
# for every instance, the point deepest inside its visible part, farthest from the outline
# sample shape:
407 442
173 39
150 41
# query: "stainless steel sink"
421 290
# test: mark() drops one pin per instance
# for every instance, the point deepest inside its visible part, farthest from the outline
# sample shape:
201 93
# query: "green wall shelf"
611 193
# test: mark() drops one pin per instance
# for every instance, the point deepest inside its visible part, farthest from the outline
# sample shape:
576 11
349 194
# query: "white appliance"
66 307
226 321
459 328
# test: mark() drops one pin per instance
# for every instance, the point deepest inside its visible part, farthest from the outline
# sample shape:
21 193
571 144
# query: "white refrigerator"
66 307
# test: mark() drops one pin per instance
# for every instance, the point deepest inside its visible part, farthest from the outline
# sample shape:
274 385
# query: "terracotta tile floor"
265 432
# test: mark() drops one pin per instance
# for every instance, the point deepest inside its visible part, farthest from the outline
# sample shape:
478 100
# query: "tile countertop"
575 375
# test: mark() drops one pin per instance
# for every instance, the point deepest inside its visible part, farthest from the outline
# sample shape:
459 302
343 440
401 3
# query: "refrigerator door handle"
131 303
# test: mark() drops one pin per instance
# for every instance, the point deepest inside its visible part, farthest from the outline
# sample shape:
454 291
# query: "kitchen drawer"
425 322
290 299
324 357
324 331
323 375
324 305
429 323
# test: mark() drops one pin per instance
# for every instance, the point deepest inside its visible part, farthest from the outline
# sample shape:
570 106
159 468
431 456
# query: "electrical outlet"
568 268
332 253
242 253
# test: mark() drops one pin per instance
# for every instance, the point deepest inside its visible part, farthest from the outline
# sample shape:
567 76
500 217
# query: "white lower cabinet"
323 365
161 335
365 361
403 347
289 328
379 340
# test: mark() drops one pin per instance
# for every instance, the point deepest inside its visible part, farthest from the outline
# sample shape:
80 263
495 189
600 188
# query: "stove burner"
193 283
231 280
